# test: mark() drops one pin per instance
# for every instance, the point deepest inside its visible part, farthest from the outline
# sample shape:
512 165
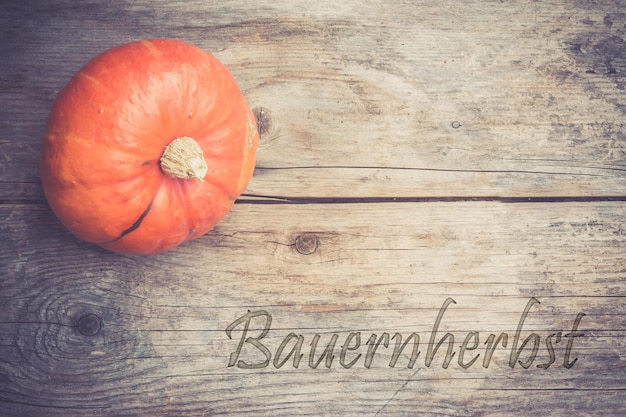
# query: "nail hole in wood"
306 244
89 325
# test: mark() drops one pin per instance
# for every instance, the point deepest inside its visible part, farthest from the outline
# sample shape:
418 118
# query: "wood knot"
89 325
264 120
306 244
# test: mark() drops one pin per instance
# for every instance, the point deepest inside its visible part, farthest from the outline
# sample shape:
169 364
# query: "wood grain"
413 155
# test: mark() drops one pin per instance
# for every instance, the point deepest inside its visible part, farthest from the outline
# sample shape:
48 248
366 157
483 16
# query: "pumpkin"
147 146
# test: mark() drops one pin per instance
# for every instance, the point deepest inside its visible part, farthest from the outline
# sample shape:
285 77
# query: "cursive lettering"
252 352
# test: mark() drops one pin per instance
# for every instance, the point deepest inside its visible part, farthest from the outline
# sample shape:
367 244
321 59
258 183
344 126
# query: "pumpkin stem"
183 158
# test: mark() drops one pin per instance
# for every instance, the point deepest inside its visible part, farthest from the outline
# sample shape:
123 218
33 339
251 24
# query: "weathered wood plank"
412 101
483 98
162 349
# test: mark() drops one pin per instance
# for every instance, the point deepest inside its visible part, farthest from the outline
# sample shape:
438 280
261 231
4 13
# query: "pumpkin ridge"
83 73
222 188
152 48
134 226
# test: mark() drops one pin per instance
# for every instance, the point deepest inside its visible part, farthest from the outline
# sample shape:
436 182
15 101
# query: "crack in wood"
268 199
395 394
393 168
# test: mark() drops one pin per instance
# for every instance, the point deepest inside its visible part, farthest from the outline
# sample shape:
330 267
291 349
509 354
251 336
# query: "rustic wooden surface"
429 168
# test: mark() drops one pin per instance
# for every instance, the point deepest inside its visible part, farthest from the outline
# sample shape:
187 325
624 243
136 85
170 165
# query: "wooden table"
436 224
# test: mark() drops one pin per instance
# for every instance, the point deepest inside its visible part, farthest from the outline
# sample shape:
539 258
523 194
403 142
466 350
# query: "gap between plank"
266 199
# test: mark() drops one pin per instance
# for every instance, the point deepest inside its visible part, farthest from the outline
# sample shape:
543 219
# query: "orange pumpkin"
147 146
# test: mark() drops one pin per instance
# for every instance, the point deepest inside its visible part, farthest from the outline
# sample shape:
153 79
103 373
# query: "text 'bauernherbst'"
255 351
